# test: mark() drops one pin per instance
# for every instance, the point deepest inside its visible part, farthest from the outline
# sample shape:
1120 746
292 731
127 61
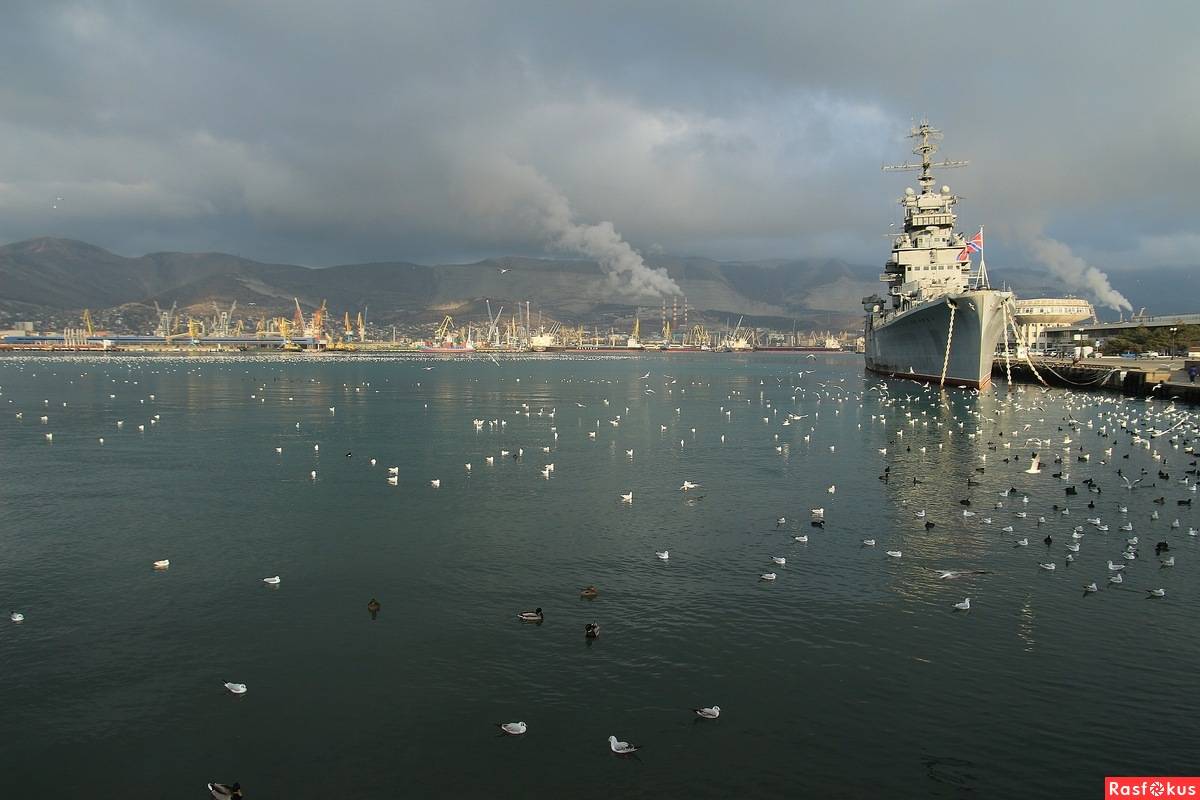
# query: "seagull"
512 728
236 688
687 486
221 791
780 560
278 449
1115 567
894 553
16 616
1091 587
1021 542
711 712
1157 592
163 564
1168 562
393 470
504 270
622 748
627 498
767 576
965 605
436 483
801 539
663 554
1047 565
1118 578
866 542
272 581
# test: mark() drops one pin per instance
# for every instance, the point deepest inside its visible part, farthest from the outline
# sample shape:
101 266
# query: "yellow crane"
362 328
87 322
443 330
346 325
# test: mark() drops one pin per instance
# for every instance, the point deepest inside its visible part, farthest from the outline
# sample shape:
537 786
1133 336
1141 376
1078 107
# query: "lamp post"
1173 329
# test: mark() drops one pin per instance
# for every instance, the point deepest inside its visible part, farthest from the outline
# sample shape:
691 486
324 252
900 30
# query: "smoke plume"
504 187
1076 273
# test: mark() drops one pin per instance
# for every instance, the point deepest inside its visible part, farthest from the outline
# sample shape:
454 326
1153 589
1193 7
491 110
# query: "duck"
513 728
373 606
589 592
712 712
222 791
235 688
591 630
531 616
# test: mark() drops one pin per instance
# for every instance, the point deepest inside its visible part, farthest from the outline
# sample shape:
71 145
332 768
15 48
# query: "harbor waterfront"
850 675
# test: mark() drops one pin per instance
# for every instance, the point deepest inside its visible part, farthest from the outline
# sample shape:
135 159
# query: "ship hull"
912 344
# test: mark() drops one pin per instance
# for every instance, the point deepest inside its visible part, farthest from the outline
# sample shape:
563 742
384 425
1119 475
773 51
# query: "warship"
940 320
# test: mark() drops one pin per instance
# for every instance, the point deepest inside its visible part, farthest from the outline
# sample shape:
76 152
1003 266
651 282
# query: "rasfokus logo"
1153 787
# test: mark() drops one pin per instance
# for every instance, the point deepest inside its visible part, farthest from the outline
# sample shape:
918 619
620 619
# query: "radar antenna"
926 147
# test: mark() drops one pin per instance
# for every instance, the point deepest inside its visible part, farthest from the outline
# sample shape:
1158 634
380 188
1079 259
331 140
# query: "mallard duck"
589 591
373 606
531 616
221 790
591 630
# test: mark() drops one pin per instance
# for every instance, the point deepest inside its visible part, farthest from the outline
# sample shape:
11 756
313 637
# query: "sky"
365 130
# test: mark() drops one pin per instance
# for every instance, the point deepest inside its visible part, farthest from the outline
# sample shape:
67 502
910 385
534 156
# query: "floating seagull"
868 542
436 483
163 564
801 539
236 688
622 748
894 553
221 791
663 554
767 576
1157 592
512 728
627 498
711 712
1021 542
16 616
1167 562
393 480
272 581
965 605
1047 565
780 560
1118 578
1091 587
687 486
1115 567
531 616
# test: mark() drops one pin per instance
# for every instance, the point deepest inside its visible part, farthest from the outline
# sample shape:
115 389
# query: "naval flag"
975 245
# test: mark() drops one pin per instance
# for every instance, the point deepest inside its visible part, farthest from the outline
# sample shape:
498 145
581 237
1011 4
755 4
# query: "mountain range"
50 280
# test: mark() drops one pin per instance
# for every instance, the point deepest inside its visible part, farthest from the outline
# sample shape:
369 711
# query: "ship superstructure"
939 320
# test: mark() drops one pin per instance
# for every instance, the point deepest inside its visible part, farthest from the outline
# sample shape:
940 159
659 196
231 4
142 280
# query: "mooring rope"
1025 346
1007 361
949 338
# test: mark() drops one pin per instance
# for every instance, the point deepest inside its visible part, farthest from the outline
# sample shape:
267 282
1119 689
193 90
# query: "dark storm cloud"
322 132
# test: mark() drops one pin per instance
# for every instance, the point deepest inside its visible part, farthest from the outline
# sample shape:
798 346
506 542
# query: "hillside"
53 279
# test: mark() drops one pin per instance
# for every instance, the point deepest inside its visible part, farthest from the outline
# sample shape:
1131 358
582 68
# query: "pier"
1166 378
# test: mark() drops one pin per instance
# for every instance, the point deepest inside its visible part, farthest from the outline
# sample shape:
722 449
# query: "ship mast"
927 137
